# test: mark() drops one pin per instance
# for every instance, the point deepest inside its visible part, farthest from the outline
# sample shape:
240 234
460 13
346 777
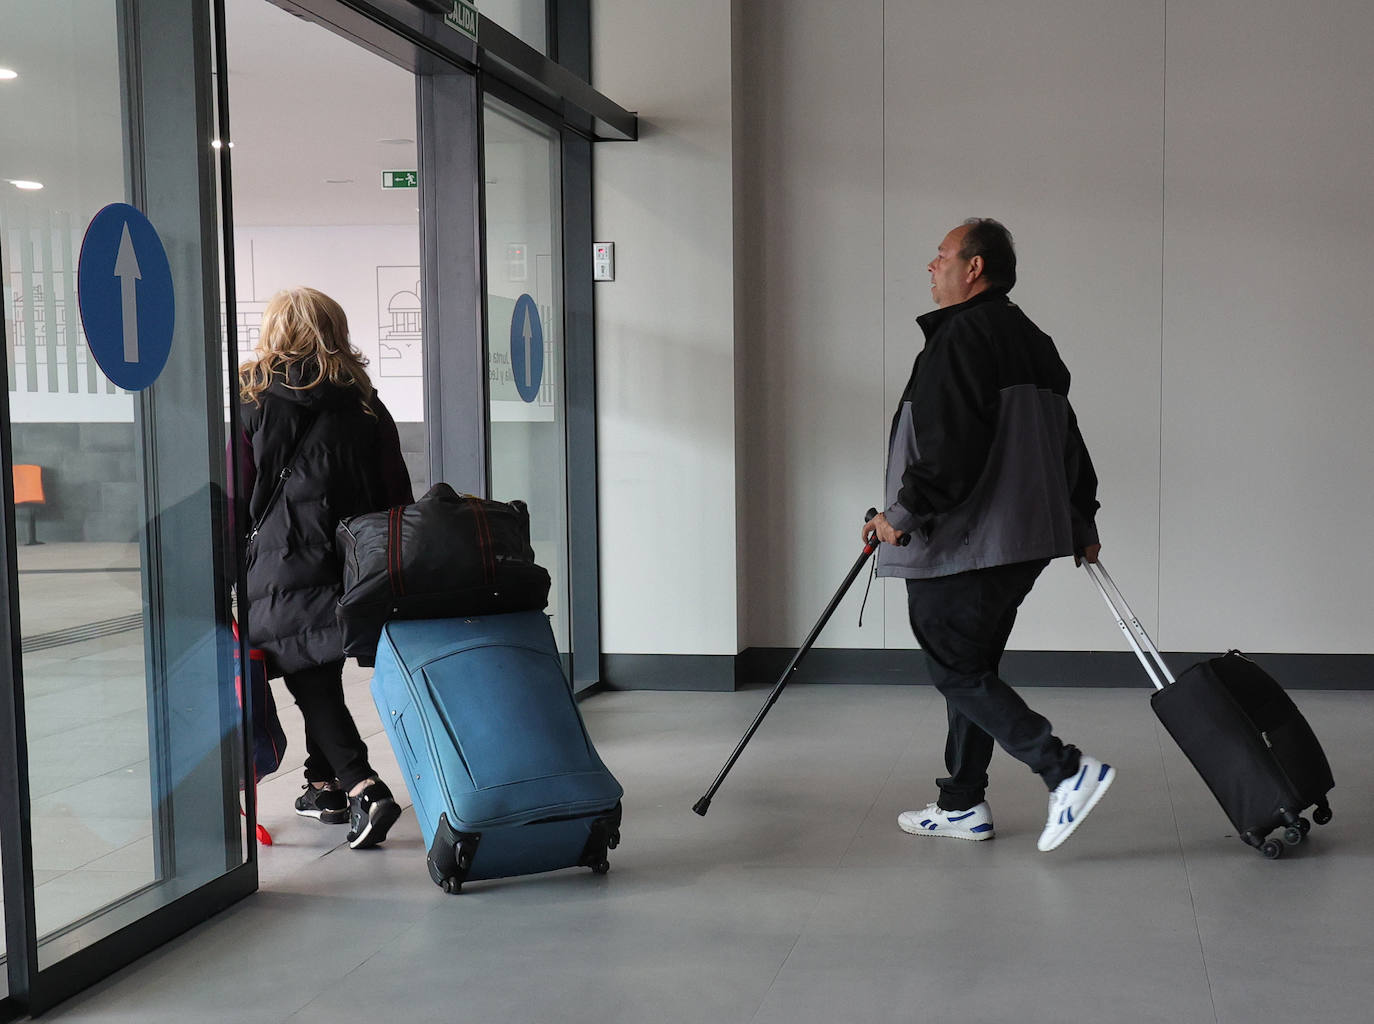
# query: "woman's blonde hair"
304 327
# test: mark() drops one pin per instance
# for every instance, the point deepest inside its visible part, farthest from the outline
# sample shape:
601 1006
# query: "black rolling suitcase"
1242 732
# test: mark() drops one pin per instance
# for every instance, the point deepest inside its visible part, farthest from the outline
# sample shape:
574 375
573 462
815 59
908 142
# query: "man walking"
988 472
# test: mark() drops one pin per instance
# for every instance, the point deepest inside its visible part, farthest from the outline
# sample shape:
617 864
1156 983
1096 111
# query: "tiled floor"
86 726
798 900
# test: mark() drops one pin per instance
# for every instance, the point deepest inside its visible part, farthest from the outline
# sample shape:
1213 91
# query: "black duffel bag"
445 556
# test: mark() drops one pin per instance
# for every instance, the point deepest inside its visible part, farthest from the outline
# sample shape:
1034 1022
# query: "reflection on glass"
131 782
525 337
80 586
524 19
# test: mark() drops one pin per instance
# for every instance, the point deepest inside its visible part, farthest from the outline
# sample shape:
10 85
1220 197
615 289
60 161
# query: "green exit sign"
463 18
400 179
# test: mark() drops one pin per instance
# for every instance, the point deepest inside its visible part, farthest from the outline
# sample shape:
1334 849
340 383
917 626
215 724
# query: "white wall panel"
665 331
1047 117
1187 183
1267 465
809 270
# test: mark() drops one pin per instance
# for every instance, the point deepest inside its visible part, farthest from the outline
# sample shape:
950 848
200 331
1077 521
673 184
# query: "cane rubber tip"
702 806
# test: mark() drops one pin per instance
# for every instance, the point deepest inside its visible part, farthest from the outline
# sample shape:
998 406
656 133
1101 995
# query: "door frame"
153 37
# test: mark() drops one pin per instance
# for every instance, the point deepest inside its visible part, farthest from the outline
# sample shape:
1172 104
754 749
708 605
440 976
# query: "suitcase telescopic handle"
1139 639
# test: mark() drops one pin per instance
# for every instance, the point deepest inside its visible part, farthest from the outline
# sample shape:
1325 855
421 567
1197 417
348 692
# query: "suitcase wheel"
1293 835
451 886
601 867
1272 849
1322 814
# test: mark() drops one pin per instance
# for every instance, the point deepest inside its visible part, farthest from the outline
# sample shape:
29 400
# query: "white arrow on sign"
126 269
528 361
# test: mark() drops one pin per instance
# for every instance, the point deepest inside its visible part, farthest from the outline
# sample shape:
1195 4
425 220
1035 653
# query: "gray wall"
417 461
91 485
1187 183
1268 362
89 480
666 342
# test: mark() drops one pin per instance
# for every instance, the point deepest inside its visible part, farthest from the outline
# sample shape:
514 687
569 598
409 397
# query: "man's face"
949 275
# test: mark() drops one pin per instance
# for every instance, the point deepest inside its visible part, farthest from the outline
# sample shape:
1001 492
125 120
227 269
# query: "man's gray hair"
991 240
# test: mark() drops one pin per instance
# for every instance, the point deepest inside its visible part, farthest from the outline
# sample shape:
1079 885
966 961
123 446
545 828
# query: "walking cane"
704 804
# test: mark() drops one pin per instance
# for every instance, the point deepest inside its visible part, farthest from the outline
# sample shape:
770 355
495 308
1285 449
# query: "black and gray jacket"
986 465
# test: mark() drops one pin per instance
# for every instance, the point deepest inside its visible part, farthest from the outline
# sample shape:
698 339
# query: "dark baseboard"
763 665
714 672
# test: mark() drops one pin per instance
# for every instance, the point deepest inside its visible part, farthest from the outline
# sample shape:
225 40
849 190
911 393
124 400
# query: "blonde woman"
317 445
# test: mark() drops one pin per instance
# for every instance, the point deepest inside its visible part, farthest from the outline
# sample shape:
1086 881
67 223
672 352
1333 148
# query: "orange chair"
28 493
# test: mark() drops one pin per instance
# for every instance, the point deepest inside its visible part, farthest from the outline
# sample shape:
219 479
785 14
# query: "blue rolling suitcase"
504 778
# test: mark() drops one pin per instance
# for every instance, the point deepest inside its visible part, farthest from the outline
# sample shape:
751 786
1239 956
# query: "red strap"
393 551
484 544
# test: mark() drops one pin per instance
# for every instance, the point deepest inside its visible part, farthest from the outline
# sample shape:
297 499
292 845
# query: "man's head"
975 256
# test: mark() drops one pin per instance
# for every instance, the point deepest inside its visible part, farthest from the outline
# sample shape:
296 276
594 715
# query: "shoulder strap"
286 471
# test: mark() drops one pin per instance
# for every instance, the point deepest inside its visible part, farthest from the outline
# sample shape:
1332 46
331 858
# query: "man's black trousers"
962 622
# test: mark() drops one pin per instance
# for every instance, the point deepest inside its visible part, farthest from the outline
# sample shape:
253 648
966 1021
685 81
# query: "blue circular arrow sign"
124 288
526 348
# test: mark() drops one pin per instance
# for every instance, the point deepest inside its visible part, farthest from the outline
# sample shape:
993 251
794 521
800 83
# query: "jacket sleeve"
240 488
1082 479
395 477
954 415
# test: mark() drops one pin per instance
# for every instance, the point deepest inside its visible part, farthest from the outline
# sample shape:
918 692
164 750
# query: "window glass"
525 336
523 18
131 723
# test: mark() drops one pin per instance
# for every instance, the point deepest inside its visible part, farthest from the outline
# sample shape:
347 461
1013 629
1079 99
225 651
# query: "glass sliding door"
329 196
525 350
120 564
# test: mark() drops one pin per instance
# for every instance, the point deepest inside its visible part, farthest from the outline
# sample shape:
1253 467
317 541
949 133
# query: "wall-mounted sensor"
603 261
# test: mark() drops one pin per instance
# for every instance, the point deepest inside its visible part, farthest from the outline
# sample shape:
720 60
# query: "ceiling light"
396 142
217 144
338 181
7 75
27 186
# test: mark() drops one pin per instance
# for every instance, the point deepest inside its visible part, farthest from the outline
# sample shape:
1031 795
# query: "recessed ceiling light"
6 74
27 186
396 142
338 181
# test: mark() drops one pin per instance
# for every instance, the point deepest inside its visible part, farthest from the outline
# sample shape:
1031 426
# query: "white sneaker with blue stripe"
1073 798
974 823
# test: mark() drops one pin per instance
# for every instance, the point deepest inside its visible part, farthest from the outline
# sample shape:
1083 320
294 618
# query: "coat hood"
295 387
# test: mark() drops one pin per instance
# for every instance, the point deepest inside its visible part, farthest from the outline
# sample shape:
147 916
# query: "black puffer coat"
339 470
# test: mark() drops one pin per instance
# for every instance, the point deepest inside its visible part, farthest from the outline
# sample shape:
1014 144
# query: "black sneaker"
372 812
329 805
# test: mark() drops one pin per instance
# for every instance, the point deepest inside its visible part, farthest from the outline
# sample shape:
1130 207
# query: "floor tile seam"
839 866
105 774
398 933
772 982
64 872
1187 870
